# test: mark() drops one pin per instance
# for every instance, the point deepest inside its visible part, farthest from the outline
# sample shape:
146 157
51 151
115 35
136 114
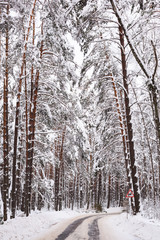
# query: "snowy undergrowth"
151 210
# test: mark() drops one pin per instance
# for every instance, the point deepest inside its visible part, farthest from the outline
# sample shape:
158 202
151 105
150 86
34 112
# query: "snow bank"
26 228
128 227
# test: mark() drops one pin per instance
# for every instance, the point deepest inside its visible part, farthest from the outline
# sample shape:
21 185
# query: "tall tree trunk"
56 190
150 80
122 128
61 162
154 98
56 174
81 191
121 122
149 146
26 115
5 129
129 124
18 192
77 189
59 171
90 172
13 195
99 197
32 122
29 134
109 191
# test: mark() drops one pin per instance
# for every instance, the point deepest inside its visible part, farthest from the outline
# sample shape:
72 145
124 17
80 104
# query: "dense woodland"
79 105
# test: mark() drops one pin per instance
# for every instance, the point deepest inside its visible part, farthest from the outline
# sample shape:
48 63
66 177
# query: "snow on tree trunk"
129 124
5 129
13 194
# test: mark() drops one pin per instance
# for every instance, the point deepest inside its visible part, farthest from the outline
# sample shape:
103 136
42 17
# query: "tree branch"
135 54
156 59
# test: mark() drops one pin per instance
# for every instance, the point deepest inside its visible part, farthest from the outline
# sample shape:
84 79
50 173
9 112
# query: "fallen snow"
129 227
113 226
26 228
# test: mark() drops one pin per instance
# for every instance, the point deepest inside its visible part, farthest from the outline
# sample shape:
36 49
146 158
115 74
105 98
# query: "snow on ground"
129 227
113 226
25 228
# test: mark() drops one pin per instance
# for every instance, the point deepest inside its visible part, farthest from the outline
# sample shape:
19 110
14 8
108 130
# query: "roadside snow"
26 228
129 227
113 226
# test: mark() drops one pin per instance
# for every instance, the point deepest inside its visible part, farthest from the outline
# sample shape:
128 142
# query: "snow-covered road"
88 227
79 224
83 227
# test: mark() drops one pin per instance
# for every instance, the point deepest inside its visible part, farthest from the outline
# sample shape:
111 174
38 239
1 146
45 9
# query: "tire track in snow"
71 228
93 232
93 229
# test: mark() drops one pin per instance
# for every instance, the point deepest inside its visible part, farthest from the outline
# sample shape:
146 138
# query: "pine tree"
5 127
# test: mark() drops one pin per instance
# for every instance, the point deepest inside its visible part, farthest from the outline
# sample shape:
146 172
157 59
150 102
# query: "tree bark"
129 124
13 194
124 137
32 122
149 148
61 162
150 81
29 133
5 129
109 190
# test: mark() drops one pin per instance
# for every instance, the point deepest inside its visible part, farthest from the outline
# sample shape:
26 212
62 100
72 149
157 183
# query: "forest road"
88 228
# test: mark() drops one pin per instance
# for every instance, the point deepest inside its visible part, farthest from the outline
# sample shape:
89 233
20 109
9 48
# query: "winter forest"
79 105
